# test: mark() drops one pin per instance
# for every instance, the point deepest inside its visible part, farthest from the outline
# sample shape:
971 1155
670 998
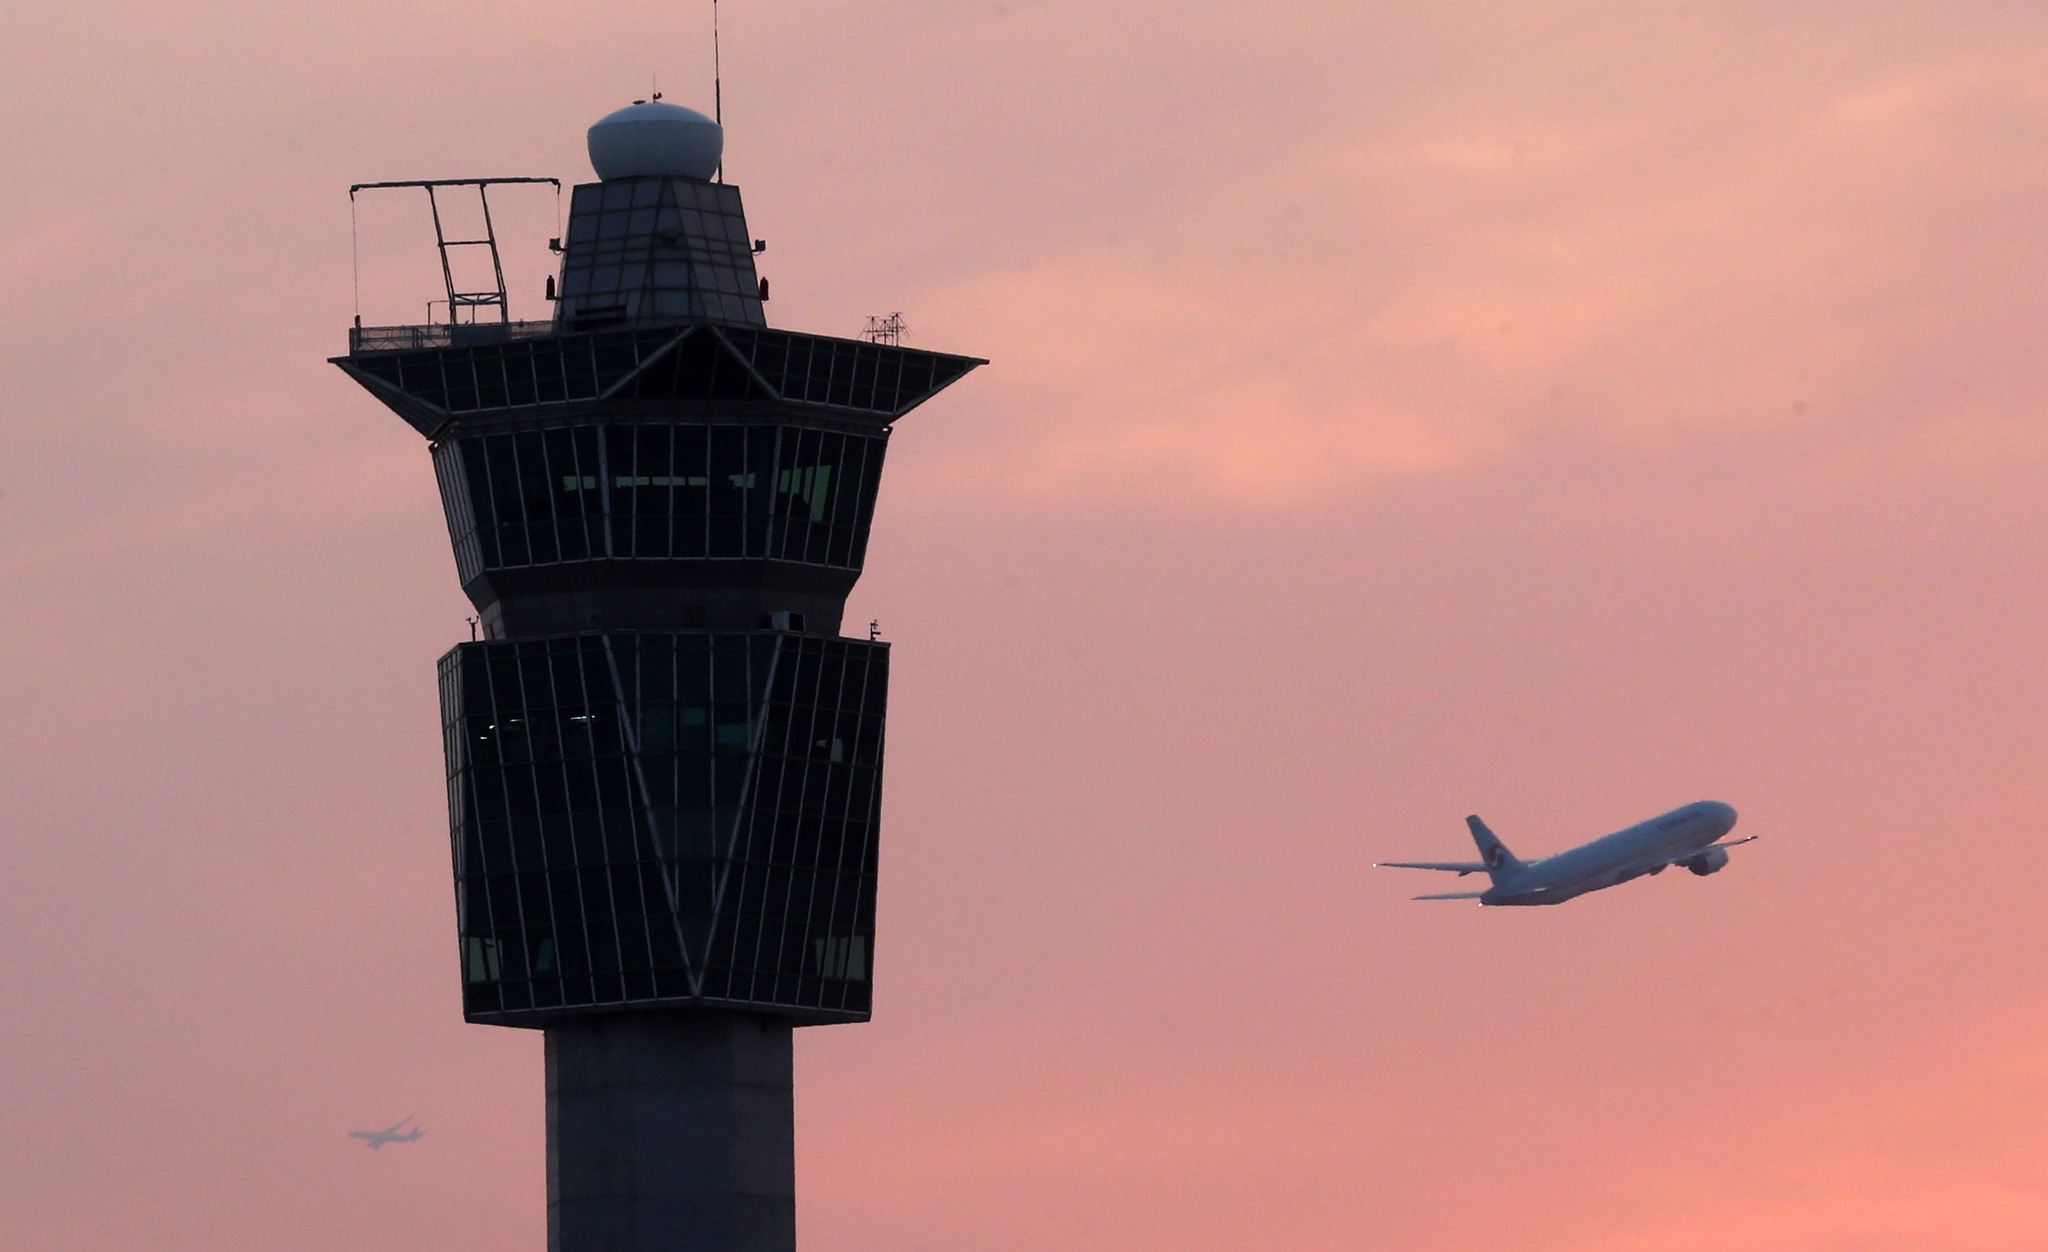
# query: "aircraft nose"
1726 813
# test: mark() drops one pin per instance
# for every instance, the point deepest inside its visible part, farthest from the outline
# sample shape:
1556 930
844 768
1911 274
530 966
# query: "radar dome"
652 139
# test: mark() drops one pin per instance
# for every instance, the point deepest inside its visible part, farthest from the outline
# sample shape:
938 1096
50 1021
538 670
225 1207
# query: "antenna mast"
717 89
887 329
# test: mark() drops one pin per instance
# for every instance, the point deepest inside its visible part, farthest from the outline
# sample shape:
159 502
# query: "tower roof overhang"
434 388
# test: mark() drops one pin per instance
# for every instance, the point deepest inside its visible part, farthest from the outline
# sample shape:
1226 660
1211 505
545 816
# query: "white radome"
656 140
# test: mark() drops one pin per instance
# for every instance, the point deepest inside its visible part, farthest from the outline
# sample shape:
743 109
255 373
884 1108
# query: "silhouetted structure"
664 760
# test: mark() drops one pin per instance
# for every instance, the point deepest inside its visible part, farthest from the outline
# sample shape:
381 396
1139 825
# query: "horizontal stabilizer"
1452 895
1455 867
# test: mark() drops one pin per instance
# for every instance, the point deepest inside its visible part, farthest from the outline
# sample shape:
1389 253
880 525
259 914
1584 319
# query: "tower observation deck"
664 760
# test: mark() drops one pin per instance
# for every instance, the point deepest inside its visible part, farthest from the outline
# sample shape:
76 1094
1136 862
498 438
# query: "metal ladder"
459 300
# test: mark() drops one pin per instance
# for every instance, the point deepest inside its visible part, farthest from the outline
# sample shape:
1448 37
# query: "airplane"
1688 836
378 1138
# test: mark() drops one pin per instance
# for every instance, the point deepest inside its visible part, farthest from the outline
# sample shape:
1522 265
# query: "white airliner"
378 1138
1689 836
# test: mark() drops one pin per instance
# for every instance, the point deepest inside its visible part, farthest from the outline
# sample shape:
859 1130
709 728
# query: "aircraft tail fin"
1500 863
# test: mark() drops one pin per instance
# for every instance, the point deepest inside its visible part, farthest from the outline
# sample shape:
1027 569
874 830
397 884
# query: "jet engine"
1707 862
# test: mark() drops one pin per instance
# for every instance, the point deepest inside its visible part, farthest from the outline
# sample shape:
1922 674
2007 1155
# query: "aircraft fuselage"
1644 848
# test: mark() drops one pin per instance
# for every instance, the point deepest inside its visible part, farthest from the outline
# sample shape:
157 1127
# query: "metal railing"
442 335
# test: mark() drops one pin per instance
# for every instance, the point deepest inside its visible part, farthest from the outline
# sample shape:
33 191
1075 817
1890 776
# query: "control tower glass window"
666 817
647 250
658 491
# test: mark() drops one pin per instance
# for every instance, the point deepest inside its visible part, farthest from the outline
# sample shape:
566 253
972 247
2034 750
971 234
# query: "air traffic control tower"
664 757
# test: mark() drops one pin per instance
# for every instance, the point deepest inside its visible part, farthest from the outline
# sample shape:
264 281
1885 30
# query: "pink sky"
1560 412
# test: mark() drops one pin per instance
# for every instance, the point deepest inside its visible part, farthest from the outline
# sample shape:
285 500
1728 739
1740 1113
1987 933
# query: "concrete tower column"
671 1132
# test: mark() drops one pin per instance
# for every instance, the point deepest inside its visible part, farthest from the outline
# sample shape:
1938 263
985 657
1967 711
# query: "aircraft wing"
1690 853
1657 863
1454 867
1451 895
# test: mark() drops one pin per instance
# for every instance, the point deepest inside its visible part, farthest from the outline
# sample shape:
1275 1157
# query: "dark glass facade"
653 818
645 250
664 765
660 491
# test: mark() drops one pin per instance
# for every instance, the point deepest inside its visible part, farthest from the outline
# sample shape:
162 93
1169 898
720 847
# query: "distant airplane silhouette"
378 1138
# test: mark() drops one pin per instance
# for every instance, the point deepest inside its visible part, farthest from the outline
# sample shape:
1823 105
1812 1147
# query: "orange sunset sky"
1555 411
